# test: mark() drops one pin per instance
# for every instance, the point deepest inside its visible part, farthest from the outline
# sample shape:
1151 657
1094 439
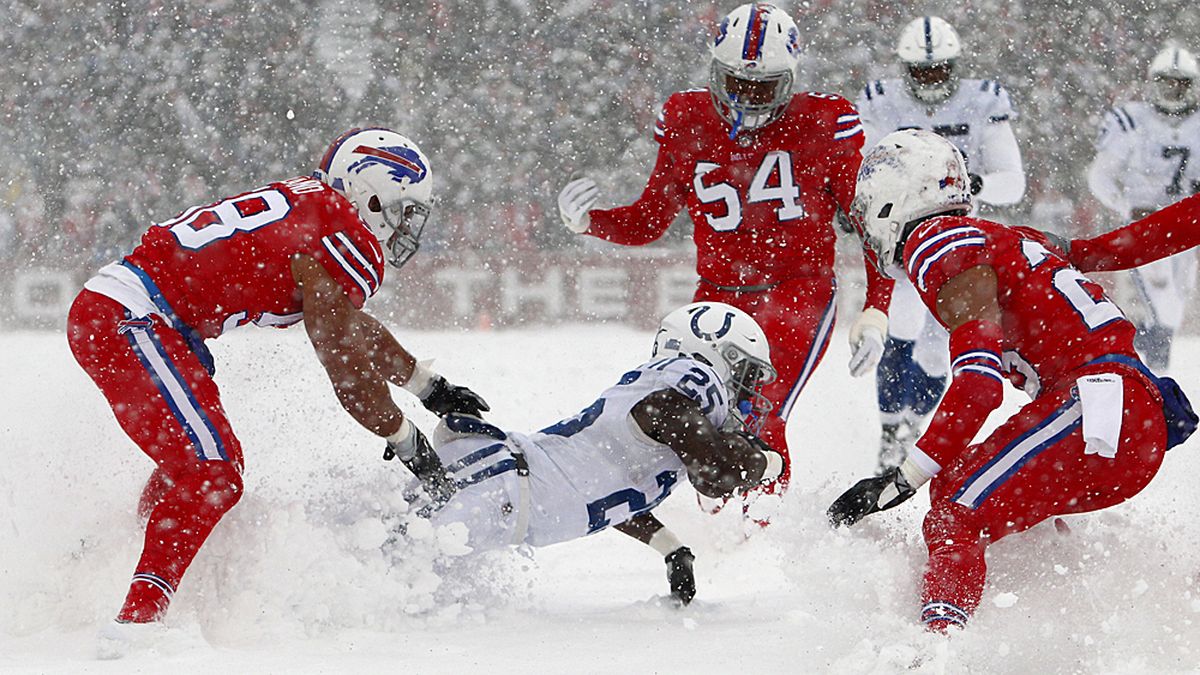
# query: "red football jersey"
1054 318
763 204
1163 233
229 263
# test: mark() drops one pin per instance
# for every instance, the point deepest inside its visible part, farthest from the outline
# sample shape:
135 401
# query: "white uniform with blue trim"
1146 160
585 473
977 120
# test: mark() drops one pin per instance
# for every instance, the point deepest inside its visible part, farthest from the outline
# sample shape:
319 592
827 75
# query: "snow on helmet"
730 341
755 52
388 180
908 176
929 48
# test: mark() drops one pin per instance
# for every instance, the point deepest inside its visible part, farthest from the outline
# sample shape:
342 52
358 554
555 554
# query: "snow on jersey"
967 119
598 468
226 264
1054 318
1145 160
762 204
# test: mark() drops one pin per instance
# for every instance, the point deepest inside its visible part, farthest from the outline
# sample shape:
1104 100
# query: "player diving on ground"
690 414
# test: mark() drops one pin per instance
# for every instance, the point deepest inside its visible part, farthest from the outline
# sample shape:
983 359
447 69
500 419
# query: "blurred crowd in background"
116 115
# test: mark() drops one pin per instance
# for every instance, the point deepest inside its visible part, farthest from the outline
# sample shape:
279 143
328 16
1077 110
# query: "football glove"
680 575
444 398
574 202
866 341
871 495
414 451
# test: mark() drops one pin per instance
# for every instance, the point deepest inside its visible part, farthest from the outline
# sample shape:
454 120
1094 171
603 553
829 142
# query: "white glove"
866 341
574 202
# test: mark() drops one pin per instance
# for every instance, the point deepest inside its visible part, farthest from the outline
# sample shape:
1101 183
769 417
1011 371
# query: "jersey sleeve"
1159 235
353 257
665 194
1107 167
941 249
699 382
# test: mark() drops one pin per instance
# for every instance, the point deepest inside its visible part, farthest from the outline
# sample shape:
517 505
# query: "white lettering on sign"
603 292
516 292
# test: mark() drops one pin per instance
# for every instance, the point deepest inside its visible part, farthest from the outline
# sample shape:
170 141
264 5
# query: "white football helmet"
754 56
730 341
388 180
1173 75
929 47
907 177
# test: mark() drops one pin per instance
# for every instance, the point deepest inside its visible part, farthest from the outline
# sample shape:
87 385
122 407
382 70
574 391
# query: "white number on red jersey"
776 168
1085 295
202 225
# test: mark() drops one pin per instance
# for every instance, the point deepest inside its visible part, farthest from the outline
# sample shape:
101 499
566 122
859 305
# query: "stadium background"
116 115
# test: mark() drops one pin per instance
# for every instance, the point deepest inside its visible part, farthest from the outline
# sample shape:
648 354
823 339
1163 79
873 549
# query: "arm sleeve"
1108 165
649 217
1161 234
355 262
977 390
1002 171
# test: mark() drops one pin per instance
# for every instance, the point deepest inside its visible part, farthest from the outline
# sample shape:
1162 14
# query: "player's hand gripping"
413 449
866 341
574 202
445 398
878 493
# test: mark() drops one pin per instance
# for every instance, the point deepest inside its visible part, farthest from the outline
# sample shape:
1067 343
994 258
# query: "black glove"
870 495
976 183
417 454
680 576
445 398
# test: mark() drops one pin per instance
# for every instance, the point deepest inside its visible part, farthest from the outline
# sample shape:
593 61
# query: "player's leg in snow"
893 398
119 639
955 572
153 492
166 401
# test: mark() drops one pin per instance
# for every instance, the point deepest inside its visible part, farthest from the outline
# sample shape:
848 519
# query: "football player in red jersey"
307 248
762 173
1173 229
1099 421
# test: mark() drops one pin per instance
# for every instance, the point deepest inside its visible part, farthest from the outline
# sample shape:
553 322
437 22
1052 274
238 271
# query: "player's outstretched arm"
650 531
344 340
719 463
967 305
1161 234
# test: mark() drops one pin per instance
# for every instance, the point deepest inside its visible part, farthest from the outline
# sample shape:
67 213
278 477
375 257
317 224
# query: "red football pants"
169 406
1031 468
797 316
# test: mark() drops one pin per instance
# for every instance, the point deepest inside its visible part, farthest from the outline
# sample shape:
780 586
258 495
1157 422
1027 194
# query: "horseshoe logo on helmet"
720 332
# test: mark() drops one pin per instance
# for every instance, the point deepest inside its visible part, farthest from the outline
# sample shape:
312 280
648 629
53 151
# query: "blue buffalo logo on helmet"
405 163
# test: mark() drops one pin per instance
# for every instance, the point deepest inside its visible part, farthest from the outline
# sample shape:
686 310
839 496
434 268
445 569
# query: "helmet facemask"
931 83
746 100
403 222
1174 95
747 377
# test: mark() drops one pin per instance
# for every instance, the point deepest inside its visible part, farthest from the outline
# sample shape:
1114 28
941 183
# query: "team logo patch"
722 32
720 332
793 42
404 162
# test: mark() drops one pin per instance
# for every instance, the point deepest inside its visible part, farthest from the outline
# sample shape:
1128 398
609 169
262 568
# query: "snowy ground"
295 580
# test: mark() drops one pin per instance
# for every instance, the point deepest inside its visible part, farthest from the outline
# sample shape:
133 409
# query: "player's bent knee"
217 485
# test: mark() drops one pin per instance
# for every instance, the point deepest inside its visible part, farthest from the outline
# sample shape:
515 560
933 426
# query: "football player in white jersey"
975 116
1144 161
688 414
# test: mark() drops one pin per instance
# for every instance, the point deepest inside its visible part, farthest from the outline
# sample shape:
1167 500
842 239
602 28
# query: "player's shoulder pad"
942 242
691 377
992 97
831 112
1122 117
877 89
674 111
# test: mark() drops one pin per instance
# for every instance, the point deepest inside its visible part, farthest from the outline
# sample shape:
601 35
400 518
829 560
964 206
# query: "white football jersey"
976 119
592 470
1145 159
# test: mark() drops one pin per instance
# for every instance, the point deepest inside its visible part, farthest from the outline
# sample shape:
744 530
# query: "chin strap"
737 121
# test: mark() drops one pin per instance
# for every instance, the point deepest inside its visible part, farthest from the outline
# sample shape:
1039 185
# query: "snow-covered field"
300 577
